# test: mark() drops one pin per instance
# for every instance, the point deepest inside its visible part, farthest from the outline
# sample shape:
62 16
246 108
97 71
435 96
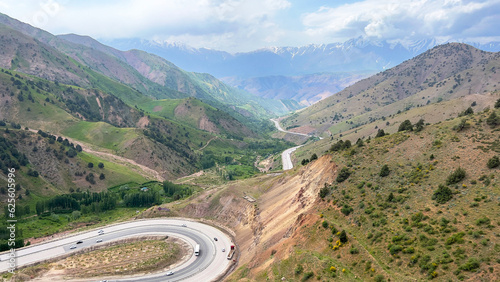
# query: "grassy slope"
101 134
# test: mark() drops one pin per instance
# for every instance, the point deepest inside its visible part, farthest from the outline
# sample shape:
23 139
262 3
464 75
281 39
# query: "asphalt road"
208 266
286 158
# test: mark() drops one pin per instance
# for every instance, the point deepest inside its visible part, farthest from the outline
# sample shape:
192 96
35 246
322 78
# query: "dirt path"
208 142
101 152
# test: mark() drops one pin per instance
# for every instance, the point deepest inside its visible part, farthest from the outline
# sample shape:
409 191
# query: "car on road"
100 232
184 225
215 239
79 242
170 273
73 247
98 241
223 250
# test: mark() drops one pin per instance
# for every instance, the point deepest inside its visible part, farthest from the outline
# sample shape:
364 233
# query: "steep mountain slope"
445 72
416 219
164 73
142 72
75 112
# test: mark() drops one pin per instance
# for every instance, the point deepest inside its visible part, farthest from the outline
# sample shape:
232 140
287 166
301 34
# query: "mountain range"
444 73
296 73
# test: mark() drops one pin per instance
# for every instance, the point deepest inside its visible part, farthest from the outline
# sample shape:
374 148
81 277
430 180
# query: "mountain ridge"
442 73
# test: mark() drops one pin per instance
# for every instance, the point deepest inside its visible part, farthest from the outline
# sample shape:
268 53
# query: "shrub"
343 175
32 173
394 249
493 162
100 165
314 157
497 104
471 265
380 133
324 224
323 192
442 195
354 251
90 165
307 276
405 125
483 220
462 125
346 210
455 177
493 120
71 153
419 126
384 171
455 238
343 237
299 269
469 111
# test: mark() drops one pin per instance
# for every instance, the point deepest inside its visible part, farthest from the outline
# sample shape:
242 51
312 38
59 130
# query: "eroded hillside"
408 210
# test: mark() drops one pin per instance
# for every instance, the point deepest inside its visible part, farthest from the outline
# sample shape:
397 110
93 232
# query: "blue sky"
245 25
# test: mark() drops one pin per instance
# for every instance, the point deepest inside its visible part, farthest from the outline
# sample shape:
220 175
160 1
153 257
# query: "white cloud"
216 23
400 19
244 25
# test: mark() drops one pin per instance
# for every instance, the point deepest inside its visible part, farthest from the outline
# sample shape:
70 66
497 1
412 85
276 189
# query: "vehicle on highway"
223 250
170 273
215 239
197 250
98 241
100 232
73 247
184 225
231 252
79 242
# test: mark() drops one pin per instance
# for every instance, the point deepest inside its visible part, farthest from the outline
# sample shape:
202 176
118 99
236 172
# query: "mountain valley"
397 178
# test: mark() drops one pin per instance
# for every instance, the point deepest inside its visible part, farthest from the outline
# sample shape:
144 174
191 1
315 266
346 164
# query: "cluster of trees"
72 149
5 235
340 145
77 103
10 157
143 199
306 161
86 202
408 126
176 191
154 133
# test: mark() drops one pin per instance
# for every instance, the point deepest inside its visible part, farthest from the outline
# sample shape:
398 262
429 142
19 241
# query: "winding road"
286 158
210 265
